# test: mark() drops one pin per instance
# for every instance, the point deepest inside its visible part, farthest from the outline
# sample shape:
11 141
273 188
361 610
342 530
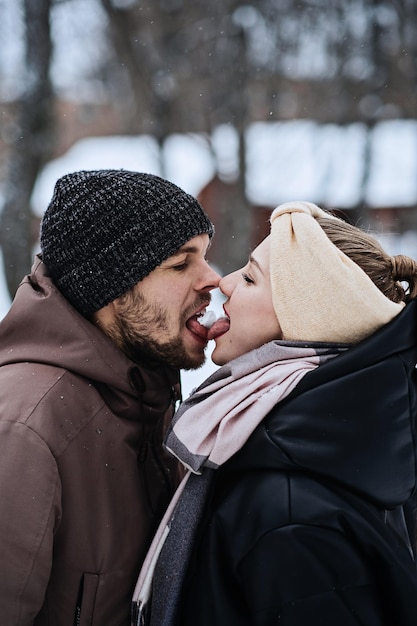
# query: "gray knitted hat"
105 230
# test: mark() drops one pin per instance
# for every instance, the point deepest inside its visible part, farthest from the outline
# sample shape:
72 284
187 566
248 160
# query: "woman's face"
249 307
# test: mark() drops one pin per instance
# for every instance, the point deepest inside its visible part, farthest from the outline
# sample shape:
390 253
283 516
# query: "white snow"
393 180
186 162
207 320
136 153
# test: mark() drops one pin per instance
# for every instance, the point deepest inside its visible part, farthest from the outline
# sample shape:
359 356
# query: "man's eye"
247 279
180 267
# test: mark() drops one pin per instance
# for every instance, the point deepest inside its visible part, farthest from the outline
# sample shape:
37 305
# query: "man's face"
158 315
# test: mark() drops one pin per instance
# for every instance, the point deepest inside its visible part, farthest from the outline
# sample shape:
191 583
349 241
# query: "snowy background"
285 161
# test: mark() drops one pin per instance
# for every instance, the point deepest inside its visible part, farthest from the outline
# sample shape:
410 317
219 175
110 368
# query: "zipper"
166 474
77 619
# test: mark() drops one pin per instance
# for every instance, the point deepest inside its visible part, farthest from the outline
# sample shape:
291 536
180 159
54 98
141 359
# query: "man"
90 353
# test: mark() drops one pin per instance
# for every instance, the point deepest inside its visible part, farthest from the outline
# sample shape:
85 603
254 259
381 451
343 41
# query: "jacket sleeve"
305 574
29 497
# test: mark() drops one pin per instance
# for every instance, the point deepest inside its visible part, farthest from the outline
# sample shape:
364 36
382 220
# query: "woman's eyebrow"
254 262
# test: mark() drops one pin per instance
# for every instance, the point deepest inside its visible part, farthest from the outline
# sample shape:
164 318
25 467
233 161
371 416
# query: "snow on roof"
303 160
137 153
325 163
300 159
185 160
393 177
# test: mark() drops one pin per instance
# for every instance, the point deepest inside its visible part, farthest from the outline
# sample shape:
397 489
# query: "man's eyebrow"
185 250
189 249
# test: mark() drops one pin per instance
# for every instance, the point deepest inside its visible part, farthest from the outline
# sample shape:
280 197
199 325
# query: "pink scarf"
218 418
216 421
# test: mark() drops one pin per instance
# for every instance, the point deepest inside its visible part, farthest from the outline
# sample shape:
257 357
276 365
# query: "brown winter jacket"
83 478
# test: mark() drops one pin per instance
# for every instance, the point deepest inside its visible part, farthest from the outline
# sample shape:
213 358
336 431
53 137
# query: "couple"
295 460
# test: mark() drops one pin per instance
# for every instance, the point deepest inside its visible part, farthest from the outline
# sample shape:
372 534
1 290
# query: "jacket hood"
42 327
352 420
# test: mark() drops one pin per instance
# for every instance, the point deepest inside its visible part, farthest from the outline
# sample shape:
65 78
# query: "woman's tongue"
219 327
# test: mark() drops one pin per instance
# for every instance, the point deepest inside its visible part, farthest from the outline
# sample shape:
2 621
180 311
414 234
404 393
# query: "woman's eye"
247 279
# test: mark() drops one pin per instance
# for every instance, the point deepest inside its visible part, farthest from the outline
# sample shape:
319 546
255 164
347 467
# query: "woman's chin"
217 360
221 354
217 357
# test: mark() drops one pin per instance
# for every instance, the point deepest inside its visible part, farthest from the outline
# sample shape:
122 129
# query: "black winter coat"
305 526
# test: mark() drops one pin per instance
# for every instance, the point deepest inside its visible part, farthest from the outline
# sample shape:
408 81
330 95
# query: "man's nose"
211 279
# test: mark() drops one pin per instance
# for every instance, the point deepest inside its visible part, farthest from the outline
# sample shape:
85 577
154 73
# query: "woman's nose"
226 284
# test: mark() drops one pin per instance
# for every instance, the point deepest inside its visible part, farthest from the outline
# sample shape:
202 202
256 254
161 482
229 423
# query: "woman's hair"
387 272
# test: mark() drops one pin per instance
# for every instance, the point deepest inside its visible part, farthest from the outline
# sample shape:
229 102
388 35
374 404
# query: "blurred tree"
174 54
194 65
171 66
32 145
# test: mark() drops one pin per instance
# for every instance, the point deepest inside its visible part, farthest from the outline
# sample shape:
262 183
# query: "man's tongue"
196 328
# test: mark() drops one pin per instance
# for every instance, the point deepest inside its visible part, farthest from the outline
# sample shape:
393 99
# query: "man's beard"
136 320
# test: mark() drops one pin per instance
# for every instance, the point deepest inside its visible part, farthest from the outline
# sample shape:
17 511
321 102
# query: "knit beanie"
105 230
318 292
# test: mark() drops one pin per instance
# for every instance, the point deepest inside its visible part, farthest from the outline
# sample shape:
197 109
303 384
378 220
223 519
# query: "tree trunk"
31 148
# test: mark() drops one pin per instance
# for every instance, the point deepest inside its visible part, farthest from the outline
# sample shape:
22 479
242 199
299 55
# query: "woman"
301 448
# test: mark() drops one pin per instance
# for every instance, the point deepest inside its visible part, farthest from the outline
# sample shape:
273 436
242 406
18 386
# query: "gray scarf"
208 429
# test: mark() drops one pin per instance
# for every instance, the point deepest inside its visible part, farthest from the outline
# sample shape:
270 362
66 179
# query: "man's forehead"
191 247
186 249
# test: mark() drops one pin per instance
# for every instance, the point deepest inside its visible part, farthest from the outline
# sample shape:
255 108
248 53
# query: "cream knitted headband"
318 293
